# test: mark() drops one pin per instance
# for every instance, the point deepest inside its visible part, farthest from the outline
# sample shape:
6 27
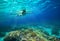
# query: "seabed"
29 33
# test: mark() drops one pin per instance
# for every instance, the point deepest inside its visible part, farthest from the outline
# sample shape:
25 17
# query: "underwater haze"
44 13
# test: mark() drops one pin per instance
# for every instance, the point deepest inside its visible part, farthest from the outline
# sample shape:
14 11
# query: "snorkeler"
22 12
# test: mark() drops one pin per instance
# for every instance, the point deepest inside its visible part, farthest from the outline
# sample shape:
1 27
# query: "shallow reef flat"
29 34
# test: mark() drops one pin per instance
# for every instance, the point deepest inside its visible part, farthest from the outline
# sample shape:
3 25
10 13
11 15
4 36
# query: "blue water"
44 12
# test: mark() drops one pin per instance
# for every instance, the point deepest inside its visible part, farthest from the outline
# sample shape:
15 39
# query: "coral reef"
29 34
25 35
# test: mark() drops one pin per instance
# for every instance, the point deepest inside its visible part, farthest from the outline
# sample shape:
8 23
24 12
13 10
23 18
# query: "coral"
53 38
29 35
25 35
